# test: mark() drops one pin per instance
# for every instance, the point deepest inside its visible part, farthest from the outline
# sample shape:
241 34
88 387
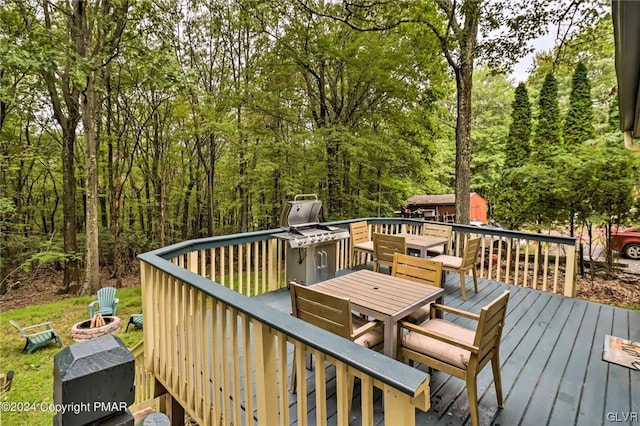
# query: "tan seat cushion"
448 261
434 251
441 350
370 339
419 316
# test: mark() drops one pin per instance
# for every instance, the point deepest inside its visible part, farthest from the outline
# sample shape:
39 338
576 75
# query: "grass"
33 380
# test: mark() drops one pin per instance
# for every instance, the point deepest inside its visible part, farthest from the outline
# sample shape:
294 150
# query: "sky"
521 70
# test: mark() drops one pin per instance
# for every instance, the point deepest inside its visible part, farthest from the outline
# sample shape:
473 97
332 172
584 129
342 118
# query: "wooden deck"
551 357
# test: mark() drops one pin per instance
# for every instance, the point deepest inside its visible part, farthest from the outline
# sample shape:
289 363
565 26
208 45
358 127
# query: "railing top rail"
465 228
248 237
387 370
189 246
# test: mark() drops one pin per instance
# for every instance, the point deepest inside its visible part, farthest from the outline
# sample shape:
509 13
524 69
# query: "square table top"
418 242
385 294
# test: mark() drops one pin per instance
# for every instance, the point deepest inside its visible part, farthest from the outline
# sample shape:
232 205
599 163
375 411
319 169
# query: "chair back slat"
385 246
442 231
417 269
435 230
470 253
323 310
359 232
106 296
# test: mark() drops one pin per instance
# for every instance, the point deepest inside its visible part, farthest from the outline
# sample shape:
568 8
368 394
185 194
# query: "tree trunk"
92 254
464 80
70 243
211 180
333 178
243 186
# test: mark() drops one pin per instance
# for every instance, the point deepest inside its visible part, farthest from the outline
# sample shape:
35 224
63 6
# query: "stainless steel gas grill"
311 247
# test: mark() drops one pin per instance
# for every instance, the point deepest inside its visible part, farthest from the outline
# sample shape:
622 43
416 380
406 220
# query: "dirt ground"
619 289
44 287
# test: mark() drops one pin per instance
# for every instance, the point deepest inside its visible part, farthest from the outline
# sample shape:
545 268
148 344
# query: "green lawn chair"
5 381
107 302
135 320
36 339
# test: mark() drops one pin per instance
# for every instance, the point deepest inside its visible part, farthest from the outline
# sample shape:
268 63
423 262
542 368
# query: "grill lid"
304 210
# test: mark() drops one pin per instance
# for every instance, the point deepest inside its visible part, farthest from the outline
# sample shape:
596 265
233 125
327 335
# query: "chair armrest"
364 329
455 311
92 304
46 325
437 336
116 301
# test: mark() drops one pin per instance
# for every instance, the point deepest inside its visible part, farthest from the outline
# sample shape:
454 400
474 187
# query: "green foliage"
546 141
491 108
578 125
518 147
532 194
46 257
7 209
215 112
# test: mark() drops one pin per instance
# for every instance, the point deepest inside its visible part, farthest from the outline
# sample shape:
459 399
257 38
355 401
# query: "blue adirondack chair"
37 339
107 302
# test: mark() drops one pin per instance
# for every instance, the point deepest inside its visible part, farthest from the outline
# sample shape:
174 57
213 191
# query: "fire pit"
83 331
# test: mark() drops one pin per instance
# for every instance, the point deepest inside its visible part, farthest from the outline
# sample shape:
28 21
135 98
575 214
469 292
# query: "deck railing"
226 358
539 261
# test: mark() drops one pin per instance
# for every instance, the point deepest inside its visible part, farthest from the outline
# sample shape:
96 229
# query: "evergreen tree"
518 145
546 142
578 125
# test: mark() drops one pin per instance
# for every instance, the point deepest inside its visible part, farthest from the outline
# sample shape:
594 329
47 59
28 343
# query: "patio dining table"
416 242
383 297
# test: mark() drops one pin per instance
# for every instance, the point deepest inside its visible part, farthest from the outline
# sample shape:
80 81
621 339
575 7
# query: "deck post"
175 411
570 288
266 376
398 406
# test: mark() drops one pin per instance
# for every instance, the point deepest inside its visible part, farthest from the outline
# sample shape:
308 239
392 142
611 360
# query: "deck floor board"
551 363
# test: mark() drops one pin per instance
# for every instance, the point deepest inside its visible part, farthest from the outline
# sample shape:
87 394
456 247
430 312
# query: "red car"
627 242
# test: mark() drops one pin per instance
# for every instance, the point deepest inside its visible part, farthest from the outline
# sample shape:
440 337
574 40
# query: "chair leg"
475 279
497 379
464 295
352 384
292 383
472 395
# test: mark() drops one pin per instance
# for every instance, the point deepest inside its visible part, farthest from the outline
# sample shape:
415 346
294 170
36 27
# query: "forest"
131 125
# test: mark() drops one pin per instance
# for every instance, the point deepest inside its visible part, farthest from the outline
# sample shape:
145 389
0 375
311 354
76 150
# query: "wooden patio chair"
435 230
333 314
462 264
456 350
384 247
37 339
107 302
359 234
420 270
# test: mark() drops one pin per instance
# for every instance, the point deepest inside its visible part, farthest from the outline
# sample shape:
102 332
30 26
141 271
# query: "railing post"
192 261
398 407
273 249
570 287
266 376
